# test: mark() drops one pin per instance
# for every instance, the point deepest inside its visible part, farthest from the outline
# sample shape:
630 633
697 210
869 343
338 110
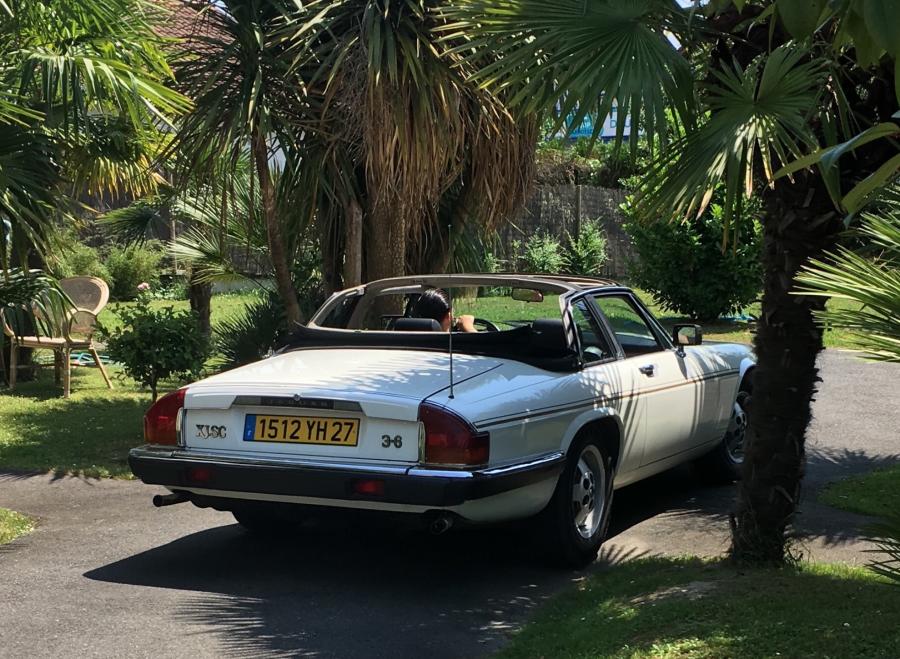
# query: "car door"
672 391
603 379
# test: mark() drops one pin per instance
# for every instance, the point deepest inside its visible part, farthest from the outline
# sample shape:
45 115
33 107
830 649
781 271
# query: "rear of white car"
358 433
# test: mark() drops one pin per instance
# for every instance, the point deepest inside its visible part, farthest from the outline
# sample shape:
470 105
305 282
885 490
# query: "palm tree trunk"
353 221
385 241
200 297
273 231
800 224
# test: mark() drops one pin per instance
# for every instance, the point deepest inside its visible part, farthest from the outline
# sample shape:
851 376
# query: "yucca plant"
406 139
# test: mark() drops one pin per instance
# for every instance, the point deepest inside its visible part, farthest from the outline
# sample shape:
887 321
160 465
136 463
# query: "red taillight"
161 420
451 440
369 487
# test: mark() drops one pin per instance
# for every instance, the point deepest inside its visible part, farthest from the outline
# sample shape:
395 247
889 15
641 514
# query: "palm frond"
758 117
81 58
136 222
241 84
29 183
575 57
886 537
870 278
31 301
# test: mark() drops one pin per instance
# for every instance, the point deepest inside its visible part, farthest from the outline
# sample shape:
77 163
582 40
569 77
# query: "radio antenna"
450 298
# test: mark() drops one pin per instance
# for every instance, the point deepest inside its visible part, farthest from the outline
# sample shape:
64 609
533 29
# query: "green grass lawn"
13 525
876 493
688 608
223 306
89 434
736 331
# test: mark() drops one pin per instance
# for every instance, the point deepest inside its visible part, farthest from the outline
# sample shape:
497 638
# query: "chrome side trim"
556 456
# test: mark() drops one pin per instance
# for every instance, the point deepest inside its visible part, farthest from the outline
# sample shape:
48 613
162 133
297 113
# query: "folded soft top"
542 343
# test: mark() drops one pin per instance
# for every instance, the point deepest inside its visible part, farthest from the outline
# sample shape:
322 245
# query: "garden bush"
156 344
683 265
80 260
586 252
130 266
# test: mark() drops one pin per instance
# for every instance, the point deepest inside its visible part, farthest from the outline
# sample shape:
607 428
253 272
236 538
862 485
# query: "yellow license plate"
301 430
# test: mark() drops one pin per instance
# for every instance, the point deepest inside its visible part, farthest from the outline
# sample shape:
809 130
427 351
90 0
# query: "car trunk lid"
348 404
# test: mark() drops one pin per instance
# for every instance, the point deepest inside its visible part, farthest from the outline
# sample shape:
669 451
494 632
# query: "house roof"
188 21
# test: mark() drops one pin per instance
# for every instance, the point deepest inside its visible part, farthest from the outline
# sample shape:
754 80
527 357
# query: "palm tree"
245 96
405 144
84 92
82 97
753 87
220 236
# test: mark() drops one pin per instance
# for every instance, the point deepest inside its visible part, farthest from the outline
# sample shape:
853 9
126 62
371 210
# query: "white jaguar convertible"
568 389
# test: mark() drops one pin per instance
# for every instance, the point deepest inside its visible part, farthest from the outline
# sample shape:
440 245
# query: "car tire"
575 522
723 464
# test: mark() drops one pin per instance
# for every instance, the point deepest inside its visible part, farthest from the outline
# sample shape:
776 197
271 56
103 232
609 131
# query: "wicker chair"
90 295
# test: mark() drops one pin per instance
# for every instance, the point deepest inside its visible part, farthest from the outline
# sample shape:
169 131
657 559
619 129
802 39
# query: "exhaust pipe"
440 524
160 500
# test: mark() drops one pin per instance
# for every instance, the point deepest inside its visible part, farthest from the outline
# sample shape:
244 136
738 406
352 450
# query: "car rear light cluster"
162 420
451 440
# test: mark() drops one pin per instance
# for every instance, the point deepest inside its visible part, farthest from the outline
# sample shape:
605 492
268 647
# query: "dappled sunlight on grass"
13 525
876 493
89 433
222 307
689 608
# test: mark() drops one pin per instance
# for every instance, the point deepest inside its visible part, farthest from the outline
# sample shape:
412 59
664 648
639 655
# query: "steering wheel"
486 324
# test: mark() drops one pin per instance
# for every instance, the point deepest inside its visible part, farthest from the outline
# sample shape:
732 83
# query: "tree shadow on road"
351 585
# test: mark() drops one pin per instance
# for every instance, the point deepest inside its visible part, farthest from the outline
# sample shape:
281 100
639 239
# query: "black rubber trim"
331 483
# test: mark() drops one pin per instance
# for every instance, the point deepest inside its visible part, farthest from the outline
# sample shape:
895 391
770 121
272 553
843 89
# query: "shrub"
250 336
564 162
80 260
540 253
683 265
586 252
156 344
130 266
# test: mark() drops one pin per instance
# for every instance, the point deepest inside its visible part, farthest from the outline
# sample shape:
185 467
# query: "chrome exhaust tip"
441 524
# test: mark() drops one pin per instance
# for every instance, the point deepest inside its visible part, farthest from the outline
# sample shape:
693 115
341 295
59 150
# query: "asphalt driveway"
105 574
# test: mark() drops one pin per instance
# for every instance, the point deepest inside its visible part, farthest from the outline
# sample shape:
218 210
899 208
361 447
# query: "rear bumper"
413 486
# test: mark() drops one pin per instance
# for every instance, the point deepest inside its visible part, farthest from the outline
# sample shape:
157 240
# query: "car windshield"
493 308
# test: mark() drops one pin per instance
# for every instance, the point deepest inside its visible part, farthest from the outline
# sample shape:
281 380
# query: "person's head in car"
435 303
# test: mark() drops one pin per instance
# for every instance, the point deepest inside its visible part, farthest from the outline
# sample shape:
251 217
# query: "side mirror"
527 295
687 335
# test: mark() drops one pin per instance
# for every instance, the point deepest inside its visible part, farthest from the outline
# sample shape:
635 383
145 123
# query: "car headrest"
549 334
416 325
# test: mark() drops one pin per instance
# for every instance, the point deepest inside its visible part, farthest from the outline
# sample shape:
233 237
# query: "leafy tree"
758 89
81 91
82 97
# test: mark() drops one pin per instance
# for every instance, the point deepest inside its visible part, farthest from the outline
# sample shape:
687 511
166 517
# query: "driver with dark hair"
435 303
